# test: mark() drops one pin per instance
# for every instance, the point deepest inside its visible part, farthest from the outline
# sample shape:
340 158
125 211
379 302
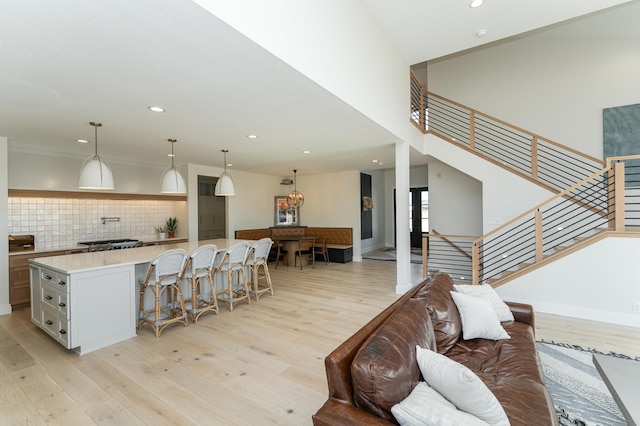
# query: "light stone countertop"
83 262
79 246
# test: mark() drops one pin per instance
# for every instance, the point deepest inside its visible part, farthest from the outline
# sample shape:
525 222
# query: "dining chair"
199 267
232 266
306 249
163 281
258 258
322 250
278 253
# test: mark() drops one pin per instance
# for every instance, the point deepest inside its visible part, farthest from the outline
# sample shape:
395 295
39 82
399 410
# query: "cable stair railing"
535 158
606 203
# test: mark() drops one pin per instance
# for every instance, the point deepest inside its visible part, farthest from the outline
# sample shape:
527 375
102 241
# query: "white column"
403 243
5 307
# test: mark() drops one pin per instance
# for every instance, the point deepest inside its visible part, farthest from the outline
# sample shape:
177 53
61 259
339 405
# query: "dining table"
290 244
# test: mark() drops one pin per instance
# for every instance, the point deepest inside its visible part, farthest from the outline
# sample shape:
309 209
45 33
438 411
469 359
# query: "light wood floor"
258 365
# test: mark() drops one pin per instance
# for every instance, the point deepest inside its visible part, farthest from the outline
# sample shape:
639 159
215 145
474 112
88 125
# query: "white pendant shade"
224 186
172 182
95 174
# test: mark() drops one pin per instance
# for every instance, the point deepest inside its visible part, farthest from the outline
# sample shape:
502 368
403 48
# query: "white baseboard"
631 320
5 309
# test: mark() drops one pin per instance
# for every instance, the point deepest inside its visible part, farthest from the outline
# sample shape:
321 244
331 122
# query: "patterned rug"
389 253
578 392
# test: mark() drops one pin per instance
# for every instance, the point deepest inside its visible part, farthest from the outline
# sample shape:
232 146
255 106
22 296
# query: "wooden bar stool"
257 258
200 266
232 266
163 281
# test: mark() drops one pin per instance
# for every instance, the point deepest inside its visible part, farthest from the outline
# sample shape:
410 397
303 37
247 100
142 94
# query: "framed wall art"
284 215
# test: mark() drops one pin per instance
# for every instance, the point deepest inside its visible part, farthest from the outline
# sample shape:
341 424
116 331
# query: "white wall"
598 283
547 83
338 44
5 307
56 172
331 200
455 201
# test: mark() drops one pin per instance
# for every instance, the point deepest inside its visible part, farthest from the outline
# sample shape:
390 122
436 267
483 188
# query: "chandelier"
295 199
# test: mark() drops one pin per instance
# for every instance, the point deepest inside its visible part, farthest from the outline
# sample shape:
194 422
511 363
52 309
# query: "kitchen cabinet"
19 277
84 310
49 308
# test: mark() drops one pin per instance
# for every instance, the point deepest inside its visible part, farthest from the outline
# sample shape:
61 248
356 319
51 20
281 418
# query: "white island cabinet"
88 301
86 310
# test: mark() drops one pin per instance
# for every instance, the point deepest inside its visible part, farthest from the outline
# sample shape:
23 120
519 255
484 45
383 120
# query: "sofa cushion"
479 320
385 370
516 357
426 407
485 291
444 314
460 386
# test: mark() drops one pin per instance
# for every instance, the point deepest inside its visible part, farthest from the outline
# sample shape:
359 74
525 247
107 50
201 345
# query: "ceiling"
67 63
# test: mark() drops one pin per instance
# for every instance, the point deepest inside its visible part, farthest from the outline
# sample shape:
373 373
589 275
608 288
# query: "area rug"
579 395
389 253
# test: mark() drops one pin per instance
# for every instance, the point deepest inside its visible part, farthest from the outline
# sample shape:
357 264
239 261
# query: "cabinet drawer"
49 296
63 304
54 278
63 332
49 321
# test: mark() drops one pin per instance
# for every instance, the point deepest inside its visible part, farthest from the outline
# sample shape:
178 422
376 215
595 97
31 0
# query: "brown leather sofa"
377 368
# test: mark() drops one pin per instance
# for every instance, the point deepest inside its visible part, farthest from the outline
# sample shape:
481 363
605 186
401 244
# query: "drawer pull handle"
62 304
48 297
62 283
48 322
63 332
47 277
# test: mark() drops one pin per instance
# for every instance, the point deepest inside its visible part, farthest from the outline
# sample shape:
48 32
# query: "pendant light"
172 181
95 173
224 186
295 199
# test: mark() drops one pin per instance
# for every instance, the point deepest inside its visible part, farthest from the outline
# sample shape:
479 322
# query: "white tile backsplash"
62 223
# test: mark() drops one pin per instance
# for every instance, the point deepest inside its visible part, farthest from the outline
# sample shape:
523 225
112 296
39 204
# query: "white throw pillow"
479 320
426 407
461 386
485 291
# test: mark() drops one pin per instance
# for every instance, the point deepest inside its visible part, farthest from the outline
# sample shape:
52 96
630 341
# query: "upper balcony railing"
533 157
608 200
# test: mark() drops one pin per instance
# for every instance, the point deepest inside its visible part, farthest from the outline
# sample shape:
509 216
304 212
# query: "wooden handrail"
520 129
446 239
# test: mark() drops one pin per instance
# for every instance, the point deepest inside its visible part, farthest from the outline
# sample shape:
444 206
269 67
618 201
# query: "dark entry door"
418 215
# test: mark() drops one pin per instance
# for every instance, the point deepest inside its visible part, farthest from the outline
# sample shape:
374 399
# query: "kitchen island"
87 301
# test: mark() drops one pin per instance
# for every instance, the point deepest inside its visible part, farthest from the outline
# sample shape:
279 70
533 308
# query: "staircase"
594 198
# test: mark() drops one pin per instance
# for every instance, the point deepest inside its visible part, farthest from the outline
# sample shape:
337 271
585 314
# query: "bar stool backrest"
259 252
201 261
235 256
168 266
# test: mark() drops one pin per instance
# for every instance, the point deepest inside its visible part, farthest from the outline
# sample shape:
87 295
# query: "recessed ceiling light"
306 152
229 164
481 33
476 3
374 161
82 140
252 136
156 109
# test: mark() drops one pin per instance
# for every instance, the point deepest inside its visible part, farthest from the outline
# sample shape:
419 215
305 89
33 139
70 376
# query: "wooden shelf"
33 193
